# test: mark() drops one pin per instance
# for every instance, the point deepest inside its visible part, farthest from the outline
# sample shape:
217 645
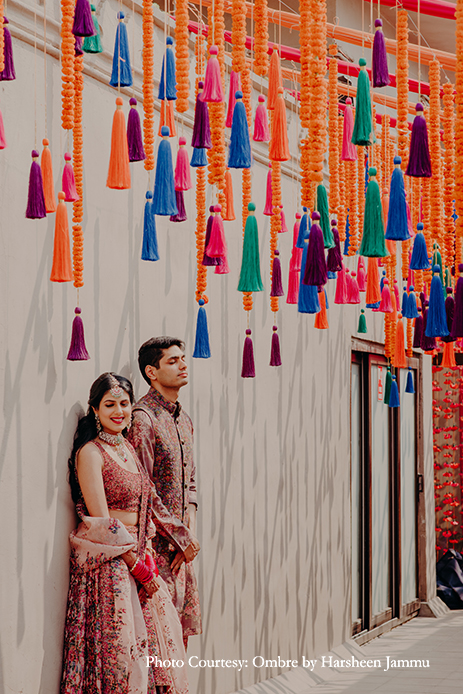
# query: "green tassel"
437 260
362 323
250 279
373 242
387 386
92 44
322 208
448 278
363 126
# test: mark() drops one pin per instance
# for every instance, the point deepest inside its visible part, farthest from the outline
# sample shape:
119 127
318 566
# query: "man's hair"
150 353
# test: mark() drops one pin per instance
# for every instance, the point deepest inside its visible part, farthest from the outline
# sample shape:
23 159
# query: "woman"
120 619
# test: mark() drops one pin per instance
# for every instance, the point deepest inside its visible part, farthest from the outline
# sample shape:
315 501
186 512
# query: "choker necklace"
117 442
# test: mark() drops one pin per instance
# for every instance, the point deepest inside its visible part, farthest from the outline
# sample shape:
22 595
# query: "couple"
133 592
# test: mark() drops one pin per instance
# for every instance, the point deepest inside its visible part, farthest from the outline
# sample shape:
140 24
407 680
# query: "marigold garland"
216 155
77 161
449 175
402 87
342 207
182 61
305 31
275 223
334 156
260 64
201 270
305 173
200 57
148 76
361 154
67 64
436 154
459 132
238 35
352 202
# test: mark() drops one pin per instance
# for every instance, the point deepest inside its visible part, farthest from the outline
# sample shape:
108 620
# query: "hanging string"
45 60
35 77
133 43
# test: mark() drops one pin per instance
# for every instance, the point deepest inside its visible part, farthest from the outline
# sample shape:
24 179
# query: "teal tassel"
363 126
92 44
387 386
394 400
164 201
322 208
202 349
149 249
373 243
362 328
167 83
409 387
250 278
122 72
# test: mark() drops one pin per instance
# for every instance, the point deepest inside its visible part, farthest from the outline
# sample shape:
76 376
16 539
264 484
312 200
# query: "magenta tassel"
77 349
361 274
83 20
222 267
217 246
380 71
8 73
341 288
201 138
68 182
457 323
134 136
2 133
182 167
386 300
261 129
207 260
293 286
284 228
181 213
248 369
268 210
235 85
334 259
213 92
315 269
353 289
277 285
35 199
275 355
348 151
419 161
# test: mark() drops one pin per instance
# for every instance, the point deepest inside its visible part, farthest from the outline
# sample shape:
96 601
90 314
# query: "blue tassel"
149 249
397 218
327 306
199 157
394 400
404 307
239 152
304 228
409 387
419 259
332 275
164 202
122 72
307 301
168 74
375 305
202 349
381 283
412 310
346 242
436 324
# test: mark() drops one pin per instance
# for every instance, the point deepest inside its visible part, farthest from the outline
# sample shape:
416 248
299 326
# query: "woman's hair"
86 429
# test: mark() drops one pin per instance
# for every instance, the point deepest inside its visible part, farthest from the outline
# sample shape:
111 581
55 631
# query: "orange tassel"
47 177
448 356
373 294
119 168
61 270
279 149
230 210
274 79
167 119
321 318
400 358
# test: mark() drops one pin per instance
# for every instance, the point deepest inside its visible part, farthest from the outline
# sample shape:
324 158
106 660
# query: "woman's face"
114 411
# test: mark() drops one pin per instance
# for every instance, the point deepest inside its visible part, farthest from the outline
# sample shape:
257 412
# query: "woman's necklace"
117 442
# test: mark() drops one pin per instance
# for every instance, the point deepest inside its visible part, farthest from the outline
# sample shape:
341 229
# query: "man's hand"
188 555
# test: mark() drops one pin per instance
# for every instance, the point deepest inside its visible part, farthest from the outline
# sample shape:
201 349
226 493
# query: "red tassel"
274 79
213 91
268 210
119 166
341 288
167 118
373 290
349 151
261 130
222 268
353 294
361 274
2 133
321 318
77 349
230 210
293 286
400 358
217 247
47 177
182 167
275 355
448 356
248 369
386 299
279 149
296 256
61 270
235 85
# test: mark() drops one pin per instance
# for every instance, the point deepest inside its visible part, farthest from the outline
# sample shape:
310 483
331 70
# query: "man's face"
172 371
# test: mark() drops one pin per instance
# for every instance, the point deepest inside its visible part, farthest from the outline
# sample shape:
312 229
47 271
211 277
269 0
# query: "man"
162 434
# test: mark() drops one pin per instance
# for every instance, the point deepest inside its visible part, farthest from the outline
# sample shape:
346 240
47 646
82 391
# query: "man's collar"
173 407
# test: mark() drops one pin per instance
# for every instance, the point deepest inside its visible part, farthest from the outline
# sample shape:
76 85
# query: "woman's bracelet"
141 572
134 565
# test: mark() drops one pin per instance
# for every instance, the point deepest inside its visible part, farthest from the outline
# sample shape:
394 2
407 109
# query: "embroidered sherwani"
162 435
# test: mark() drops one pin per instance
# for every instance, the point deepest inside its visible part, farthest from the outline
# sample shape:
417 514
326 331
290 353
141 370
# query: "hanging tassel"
348 151
119 167
222 268
307 301
397 217
261 129
198 158
239 152
3 143
457 325
164 203
202 348
275 355
208 261
284 228
387 386
396 293
448 358
321 318
167 118
322 207
436 324
274 79
363 126
248 369
409 387
361 274
230 210
8 73
217 246
83 20
404 304
386 300
279 149
277 285
428 344
77 348
134 136
373 295
122 72
353 294
92 44
293 284
394 400
334 259
419 259
235 86
35 198
379 69
373 244
449 313
362 326
315 271
341 294
213 91
296 227
201 127
437 260
268 210
182 178
181 215
47 178
149 249
61 270
419 161
167 82
412 311
418 330
250 277
68 183
400 358
304 228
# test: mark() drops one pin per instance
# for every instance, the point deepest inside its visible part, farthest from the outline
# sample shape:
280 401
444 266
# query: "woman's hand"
130 558
148 589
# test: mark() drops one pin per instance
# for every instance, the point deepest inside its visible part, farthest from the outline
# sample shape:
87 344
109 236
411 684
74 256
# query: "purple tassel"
78 46
206 259
83 20
380 72
457 325
134 137
449 313
235 85
418 333
181 214
35 199
277 285
315 273
275 355
201 129
334 260
248 369
8 73
419 161
427 343
77 349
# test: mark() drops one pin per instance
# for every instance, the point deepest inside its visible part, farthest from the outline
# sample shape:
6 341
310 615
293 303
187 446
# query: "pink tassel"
69 183
386 301
275 354
222 268
396 292
182 167
296 255
341 288
248 369
353 290
361 275
268 210
284 228
213 92
293 285
2 133
261 129
349 151
235 85
217 247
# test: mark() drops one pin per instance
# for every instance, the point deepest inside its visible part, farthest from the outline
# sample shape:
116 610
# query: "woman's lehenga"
109 634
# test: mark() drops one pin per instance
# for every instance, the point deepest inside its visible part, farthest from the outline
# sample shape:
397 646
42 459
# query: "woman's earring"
98 423
130 423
